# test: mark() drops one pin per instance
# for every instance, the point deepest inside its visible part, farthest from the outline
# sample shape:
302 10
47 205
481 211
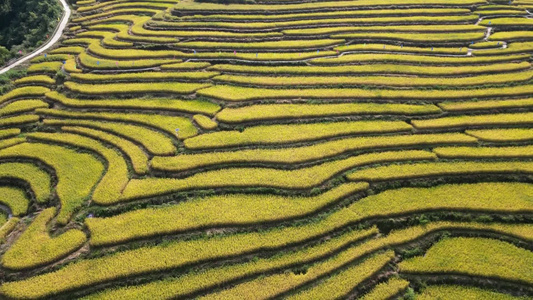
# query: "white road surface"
50 43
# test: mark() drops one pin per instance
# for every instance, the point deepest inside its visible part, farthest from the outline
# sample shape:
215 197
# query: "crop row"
15 199
130 263
116 175
296 155
484 197
476 120
136 155
487 104
165 123
22 106
185 6
262 112
153 141
188 106
322 15
35 247
387 290
38 180
304 178
432 169
372 69
317 22
390 29
134 88
336 286
463 292
152 76
236 94
503 135
277 134
310 81
480 257
77 173
239 209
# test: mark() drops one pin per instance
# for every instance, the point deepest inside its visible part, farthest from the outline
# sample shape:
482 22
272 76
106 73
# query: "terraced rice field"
273 149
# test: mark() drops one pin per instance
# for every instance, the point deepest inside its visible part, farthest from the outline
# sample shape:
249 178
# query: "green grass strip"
264 112
481 257
35 247
276 134
239 209
77 173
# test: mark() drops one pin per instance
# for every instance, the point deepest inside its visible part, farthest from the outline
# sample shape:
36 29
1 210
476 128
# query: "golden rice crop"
477 120
22 106
414 37
239 209
37 79
164 123
296 155
136 155
116 175
234 93
503 135
463 292
153 141
35 247
294 111
487 104
132 88
387 289
188 106
18 120
484 152
27 91
371 69
7 227
303 178
481 257
77 173
38 180
405 171
143 76
47 67
205 122
15 199
277 134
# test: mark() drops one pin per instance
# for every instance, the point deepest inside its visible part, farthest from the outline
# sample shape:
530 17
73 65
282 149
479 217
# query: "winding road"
57 34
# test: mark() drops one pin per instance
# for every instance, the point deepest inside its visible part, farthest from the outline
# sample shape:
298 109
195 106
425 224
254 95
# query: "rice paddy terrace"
295 149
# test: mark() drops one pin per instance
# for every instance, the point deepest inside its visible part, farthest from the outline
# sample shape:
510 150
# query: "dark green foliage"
24 24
